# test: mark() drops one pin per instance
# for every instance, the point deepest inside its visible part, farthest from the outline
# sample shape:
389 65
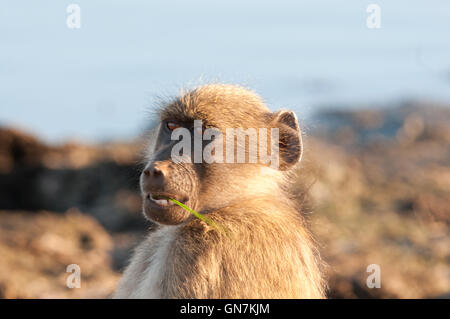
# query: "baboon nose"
155 173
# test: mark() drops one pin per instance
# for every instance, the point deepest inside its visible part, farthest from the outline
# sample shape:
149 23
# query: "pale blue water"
96 82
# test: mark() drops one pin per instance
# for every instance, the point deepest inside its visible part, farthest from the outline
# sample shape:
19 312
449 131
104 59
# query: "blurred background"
374 105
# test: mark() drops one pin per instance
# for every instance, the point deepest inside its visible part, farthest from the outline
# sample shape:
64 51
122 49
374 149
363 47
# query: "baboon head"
204 183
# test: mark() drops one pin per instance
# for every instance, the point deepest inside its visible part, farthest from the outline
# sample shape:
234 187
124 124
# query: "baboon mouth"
162 199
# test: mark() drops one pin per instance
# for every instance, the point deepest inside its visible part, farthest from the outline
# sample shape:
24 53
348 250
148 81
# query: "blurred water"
96 82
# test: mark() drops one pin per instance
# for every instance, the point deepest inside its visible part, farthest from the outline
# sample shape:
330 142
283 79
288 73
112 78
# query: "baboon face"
202 185
163 179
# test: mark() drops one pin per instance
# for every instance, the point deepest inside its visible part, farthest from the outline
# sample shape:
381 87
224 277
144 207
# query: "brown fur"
262 248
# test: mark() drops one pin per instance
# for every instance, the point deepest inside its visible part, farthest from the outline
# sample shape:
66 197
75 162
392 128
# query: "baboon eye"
172 126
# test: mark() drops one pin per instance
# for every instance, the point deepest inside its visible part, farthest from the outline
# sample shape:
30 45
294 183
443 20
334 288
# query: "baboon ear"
290 138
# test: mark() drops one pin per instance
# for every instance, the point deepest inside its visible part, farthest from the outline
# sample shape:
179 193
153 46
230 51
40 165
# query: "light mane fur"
266 250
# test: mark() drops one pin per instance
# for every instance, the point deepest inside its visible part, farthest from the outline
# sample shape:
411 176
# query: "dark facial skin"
163 178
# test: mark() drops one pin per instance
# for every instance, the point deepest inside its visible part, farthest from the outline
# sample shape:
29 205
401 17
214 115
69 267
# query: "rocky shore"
375 187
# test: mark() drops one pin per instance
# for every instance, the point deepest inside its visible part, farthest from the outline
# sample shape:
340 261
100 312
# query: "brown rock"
36 249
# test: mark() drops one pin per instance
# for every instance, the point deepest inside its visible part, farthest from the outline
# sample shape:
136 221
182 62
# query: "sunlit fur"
265 250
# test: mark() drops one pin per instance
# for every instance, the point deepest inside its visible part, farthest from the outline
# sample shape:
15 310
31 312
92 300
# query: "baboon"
262 248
